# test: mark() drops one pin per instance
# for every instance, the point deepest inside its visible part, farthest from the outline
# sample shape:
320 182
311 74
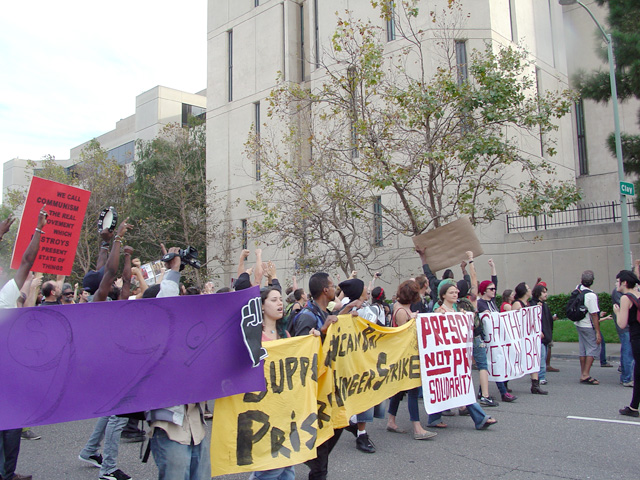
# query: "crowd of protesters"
178 437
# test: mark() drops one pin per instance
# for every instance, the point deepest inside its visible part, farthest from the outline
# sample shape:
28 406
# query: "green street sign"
626 188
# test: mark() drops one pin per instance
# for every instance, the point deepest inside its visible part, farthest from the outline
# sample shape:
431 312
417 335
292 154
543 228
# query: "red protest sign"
66 206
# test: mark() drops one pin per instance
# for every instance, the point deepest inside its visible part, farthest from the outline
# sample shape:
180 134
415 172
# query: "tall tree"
625 32
433 144
172 201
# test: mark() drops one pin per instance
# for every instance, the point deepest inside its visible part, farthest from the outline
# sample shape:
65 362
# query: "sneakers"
543 382
115 475
507 397
29 435
627 384
629 412
364 444
17 476
95 460
487 402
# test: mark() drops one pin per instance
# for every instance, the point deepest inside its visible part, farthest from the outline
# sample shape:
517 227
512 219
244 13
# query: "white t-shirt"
591 302
9 294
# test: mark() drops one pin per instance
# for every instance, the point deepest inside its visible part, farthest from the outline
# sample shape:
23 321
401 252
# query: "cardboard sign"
70 362
278 426
66 206
513 342
447 246
446 344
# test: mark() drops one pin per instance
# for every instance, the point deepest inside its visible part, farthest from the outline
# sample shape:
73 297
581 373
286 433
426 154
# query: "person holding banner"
627 315
448 296
408 294
9 294
273 328
523 294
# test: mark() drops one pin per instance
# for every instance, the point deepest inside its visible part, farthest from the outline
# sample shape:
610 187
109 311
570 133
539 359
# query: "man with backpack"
588 326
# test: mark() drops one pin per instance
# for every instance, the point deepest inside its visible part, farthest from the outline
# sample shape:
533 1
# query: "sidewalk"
571 350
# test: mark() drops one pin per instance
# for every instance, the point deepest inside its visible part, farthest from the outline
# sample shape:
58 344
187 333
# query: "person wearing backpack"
588 328
627 314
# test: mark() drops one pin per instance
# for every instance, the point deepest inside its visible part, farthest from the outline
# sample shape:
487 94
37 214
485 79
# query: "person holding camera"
178 436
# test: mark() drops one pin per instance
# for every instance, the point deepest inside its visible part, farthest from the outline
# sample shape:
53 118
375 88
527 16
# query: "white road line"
603 420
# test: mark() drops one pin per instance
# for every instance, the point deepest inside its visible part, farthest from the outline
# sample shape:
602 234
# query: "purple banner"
70 362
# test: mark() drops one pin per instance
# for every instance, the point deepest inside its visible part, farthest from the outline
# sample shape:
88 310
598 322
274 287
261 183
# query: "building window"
189 111
461 61
316 27
256 3
353 87
512 20
230 61
245 235
302 45
377 222
124 153
538 93
583 160
256 120
391 22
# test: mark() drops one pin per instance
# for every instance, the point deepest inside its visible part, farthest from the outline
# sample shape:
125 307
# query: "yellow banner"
369 364
278 427
312 389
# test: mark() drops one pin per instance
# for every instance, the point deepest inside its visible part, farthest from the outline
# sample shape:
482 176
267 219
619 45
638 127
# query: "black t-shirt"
634 325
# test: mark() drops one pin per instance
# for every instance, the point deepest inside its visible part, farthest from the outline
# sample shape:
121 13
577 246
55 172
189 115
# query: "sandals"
590 381
438 425
490 421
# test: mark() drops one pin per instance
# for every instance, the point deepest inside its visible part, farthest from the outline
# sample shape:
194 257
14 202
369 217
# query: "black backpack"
576 309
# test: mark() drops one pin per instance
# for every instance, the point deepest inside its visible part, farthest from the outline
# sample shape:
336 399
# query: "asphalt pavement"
575 432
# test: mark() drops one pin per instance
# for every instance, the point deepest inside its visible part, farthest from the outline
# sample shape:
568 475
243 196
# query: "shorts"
587 342
480 353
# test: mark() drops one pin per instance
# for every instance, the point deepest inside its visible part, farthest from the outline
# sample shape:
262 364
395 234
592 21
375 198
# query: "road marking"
603 420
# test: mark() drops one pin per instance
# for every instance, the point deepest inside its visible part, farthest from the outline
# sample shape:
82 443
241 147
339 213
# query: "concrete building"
251 42
154 109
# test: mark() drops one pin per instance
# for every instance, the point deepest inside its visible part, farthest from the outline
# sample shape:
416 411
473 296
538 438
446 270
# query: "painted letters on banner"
513 342
65 206
446 342
276 427
370 363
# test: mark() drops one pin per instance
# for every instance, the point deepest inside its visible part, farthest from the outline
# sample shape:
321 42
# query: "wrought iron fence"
605 212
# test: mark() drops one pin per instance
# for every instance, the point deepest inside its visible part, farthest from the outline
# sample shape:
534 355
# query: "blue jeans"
176 461
412 403
477 415
502 387
366 416
110 429
603 351
286 473
626 357
9 451
542 375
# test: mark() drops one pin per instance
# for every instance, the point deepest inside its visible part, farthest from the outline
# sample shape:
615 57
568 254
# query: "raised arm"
494 273
34 290
125 292
113 261
433 280
258 272
103 251
5 225
243 255
31 252
474 278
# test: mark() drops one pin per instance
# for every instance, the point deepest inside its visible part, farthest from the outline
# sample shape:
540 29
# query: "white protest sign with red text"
513 342
445 342
65 206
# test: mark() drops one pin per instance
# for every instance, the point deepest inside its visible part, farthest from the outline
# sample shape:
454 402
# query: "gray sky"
69 70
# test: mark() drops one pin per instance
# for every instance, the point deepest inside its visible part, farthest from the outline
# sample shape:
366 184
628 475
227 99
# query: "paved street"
534 439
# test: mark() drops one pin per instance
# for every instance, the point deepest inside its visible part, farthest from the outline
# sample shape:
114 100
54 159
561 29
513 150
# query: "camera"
188 256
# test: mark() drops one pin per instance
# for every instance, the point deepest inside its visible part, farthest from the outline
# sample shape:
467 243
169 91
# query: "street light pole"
626 246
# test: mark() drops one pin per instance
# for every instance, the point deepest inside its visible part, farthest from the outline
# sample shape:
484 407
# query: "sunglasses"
492 289
66 294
